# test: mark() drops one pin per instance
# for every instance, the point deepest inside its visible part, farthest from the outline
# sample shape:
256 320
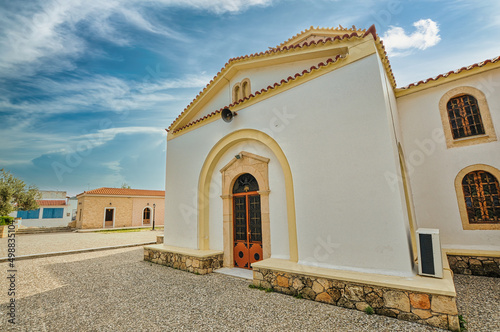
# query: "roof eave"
120 195
447 78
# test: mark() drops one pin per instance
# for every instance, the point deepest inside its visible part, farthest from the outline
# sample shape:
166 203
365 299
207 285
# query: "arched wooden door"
247 222
146 216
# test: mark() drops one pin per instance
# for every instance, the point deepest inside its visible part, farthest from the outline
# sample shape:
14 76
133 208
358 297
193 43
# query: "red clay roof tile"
124 192
479 64
49 202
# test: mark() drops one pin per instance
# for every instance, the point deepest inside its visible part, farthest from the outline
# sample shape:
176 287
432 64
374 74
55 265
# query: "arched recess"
237 93
466 225
245 87
206 176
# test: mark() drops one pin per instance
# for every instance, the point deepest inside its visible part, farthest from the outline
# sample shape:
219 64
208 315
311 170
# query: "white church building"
308 165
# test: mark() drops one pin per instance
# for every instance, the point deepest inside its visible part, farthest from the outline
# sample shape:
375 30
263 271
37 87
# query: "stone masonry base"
475 265
429 309
183 261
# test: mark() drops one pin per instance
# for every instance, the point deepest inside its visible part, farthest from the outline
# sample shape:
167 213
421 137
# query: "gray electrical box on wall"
430 259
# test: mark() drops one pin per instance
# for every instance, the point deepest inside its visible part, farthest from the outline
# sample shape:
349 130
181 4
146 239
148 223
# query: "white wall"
73 207
397 138
337 137
185 157
435 167
348 217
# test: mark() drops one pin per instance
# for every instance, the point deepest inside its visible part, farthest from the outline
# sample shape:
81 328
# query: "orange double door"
247 229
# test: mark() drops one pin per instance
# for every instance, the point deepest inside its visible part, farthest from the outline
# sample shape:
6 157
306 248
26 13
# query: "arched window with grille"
465 117
481 193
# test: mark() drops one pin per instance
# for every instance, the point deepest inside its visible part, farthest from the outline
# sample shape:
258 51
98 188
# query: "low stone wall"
198 265
475 265
434 310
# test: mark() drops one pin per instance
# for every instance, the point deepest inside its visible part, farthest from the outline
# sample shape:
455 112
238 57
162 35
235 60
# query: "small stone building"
116 207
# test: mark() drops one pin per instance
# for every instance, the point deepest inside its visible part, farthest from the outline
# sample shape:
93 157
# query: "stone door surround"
257 166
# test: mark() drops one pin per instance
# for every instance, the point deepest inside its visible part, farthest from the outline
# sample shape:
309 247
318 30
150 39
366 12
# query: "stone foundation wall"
434 310
475 265
198 265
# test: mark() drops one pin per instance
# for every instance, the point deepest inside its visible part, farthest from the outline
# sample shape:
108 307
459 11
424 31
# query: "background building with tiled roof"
55 210
118 207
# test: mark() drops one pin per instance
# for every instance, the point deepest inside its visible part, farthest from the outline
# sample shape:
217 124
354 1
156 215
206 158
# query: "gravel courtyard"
28 244
116 290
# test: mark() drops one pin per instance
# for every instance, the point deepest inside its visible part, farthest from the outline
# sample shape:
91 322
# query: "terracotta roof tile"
339 29
476 65
124 192
49 202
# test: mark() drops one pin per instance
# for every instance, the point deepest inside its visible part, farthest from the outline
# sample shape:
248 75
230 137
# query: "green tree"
125 186
15 194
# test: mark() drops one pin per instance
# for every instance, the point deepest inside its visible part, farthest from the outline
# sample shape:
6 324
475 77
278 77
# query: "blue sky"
88 87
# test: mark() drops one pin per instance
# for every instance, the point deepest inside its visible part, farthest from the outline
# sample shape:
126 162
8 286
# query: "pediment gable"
332 46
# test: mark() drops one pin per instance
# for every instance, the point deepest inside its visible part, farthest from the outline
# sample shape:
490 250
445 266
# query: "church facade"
308 165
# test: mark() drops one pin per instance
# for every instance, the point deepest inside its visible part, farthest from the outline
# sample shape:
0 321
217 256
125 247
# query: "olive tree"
15 194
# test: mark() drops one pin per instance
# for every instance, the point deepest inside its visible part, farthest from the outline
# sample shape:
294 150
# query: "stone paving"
116 290
27 244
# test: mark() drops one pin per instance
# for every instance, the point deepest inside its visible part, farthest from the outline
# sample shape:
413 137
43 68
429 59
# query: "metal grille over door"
247 222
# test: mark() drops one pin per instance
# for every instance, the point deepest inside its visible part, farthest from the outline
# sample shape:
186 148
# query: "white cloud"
45 36
217 6
102 136
100 93
22 148
132 101
398 42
